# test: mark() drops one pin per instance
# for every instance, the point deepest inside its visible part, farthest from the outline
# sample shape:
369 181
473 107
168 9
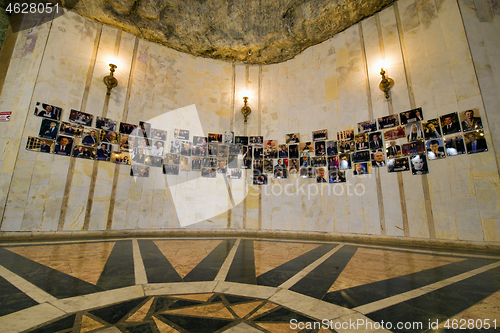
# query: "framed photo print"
127 129
241 140
228 137
49 129
475 141
435 149
345 135
47 111
292 138
388 121
471 120
431 129
181 134
120 158
337 176
158 134
450 123
413 148
40 145
367 126
222 166
393 149
196 163
419 164
155 161
395 133
84 152
375 140
320 135
109 137
454 145
319 148
200 141
414 132
70 129
361 142
103 152
362 169
81 118
139 171
411 116
199 151
105 124
234 174
345 161
90 137
378 160
215 137
256 140
398 164
331 148
63 146
172 170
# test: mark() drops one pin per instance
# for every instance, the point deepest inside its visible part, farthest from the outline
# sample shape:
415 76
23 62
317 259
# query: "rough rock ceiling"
249 31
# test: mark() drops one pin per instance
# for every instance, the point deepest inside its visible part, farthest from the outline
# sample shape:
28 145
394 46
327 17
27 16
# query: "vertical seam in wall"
233 83
116 175
380 197
411 96
245 127
259 226
83 106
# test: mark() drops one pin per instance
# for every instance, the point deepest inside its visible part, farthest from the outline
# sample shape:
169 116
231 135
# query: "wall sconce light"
246 109
386 83
110 81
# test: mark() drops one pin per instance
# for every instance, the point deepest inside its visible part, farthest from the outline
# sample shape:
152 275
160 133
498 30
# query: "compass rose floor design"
191 285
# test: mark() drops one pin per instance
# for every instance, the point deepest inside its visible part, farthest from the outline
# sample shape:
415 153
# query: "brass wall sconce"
386 83
246 109
110 81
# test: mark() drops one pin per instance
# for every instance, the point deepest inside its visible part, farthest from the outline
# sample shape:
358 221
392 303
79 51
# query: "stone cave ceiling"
248 31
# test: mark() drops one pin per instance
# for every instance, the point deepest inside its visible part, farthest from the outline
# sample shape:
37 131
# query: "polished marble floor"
244 285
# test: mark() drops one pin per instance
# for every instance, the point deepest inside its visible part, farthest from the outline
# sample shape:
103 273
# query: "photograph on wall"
157 134
411 116
209 172
223 151
158 148
228 137
213 149
81 118
331 148
196 163
293 166
347 135
378 159
393 148
450 123
120 158
359 169
139 157
185 164
333 162
247 163
256 140
233 162
49 129
394 133
40 145
109 137
347 146
321 175
360 156
234 174
143 130
280 173
282 151
475 141
454 144
175 146
268 165
361 141
171 170
305 160
419 164
127 129
200 151
47 111
90 137
258 165
103 152
367 126
259 179
63 146
270 144
431 129
413 148
270 153
105 124
388 121
336 176
200 141
398 164
318 161
292 138
375 140
144 143
320 135
306 147
435 149
258 152
70 129
214 138
185 148
209 162
246 152
139 171
293 151
414 132
471 120
222 166
156 161
183 134
320 148
308 172
241 140
280 163
88 153
345 161
172 159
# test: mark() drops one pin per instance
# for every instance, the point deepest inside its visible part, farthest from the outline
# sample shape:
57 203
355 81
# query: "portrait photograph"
270 153
321 175
259 179
282 151
246 152
454 145
185 148
347 146
144 143
156 161
435 149
125 145
88 153
345 135
196 163
247 163
411 116
345 161
361 142
105 124
157 148
388 121
375 140
292 138
367 126
320 148
233 162
183 134
234 174
228 137
270 144
185 164
280 163
143 130
378 160
475 141
431 128
395 133
109 137
256 140
258 152
215 137
210 162
213 149
333 162
318 161
222 166
293 151
223 151
359 169
308 172
90 137
293 166
139 171
40 145
268 165
398 164
199 151
49 129
209 172
414 132
471 120
70 129
47 111
280 173
393 148
175 146
139 157
158 134
450 123
331 148
120 158
305 160
258 165
81 118
337 176
241 140
320 135
419 164
306 147
200 140
172 159
172 170
413 148
103 152
127 129
63 146
360 156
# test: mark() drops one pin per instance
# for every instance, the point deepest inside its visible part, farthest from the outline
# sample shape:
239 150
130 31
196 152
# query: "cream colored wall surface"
433 51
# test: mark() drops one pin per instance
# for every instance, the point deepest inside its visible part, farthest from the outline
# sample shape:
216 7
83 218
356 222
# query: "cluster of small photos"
401 142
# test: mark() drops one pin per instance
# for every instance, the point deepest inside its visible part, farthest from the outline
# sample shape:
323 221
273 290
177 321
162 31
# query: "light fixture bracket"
386 84
110 81
246 109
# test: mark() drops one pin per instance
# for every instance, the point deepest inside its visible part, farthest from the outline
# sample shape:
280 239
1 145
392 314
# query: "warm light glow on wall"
246 93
